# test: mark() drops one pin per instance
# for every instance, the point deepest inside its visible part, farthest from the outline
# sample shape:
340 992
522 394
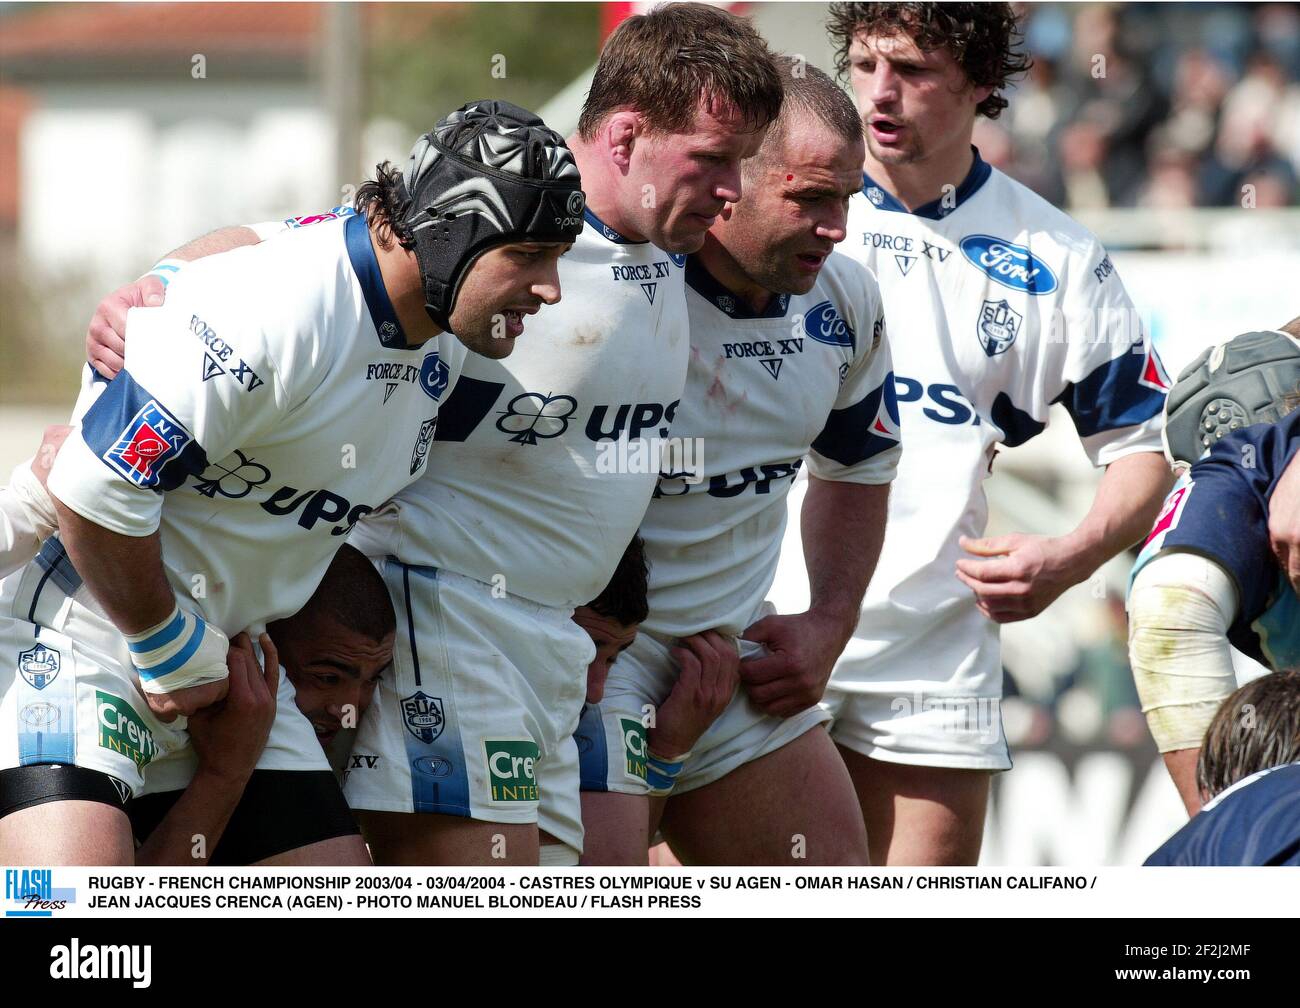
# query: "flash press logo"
75 961
30 892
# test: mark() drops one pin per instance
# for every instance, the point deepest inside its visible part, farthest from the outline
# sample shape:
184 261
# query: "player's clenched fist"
229 736
709 665
106 337
792 676
181 663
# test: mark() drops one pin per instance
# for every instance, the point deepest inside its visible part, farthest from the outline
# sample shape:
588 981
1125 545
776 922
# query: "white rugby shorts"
476 716
70 693
612 741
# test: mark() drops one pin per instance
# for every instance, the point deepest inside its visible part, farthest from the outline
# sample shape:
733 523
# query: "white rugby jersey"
808 376
264 408
1000 305
543 462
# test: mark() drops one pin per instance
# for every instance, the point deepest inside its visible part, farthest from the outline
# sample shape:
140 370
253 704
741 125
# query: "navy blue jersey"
1254 822
1219 509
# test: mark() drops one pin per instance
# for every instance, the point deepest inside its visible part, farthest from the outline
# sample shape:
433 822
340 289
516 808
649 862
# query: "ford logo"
823 323
1010 265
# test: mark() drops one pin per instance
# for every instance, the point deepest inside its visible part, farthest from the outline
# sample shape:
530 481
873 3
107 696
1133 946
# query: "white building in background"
147 124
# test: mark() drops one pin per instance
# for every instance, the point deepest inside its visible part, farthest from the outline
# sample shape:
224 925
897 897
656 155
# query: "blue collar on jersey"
883 199
708 287
356 234
606 230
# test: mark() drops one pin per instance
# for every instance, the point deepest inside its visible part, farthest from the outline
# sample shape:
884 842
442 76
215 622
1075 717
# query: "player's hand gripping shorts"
70 694
476 717
612 739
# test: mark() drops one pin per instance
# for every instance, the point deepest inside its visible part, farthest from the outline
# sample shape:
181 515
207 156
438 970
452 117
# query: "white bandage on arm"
1180 608
183 650
27 518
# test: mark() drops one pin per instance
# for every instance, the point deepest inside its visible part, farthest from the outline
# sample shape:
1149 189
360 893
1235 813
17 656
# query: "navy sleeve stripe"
1017 426
848 437
1114 395
136 437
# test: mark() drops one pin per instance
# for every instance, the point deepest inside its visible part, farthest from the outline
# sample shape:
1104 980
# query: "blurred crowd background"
1165 105
1172 130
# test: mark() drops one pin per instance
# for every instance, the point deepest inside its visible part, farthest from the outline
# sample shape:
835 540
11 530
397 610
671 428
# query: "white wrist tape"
661 774
1180 608
183 650
165 269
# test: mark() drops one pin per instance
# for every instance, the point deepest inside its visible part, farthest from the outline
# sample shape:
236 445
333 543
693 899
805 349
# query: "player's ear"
620 132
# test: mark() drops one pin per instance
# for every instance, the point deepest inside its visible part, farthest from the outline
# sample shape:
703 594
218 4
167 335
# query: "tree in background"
423 60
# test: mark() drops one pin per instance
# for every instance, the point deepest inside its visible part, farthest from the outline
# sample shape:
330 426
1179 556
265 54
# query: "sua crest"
423 716
998 325
39 665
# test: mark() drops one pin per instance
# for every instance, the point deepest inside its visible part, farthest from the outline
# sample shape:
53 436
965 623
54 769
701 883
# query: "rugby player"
1007 306
708 680
242 438
1248 775
788 361
1202 586
333 652
529 501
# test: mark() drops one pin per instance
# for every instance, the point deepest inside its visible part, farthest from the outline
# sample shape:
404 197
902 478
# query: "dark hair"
809 92
378 199
624 598
660 64
982 38
1256 728
352 595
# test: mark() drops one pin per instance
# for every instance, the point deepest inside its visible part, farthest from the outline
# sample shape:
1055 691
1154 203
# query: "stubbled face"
611 638
678 183
914 104
503 286
333 670
795 208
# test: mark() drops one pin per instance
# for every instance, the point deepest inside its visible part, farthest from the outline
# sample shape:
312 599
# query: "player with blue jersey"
209 483
789 367
1203 585
1001 305
1248 774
